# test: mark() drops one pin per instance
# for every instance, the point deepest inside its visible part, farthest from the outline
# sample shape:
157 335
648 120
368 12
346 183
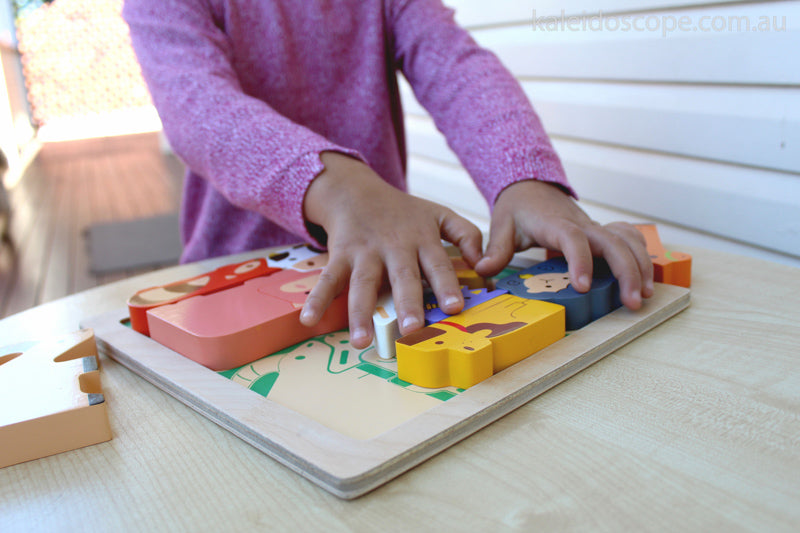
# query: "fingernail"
636 298
451 301
585 281
410 322
650 286
306 314
358 333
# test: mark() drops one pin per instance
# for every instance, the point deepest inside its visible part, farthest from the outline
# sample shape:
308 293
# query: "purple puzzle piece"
472 298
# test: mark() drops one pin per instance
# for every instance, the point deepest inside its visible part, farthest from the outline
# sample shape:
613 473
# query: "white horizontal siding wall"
697 130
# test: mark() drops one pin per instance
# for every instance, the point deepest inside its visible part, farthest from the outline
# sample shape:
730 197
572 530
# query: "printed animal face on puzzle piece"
673 268
293 255
220 279
549 281
51 396
292 286
545 282
467 348
236 326
317 262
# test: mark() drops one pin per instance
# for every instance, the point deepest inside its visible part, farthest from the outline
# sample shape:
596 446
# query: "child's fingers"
464 234
574 244
402 268
500 248
442 277
638 247
365 281
332 281
622 262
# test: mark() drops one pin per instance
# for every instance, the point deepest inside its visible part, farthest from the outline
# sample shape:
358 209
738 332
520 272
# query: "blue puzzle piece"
472 298
549 281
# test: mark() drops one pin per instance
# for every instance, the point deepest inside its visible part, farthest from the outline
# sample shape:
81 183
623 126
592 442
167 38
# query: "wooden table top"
693 426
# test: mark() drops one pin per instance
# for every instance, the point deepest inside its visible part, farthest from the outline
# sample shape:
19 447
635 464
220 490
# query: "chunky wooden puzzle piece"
470 347
220 279
549 281
233 327
51 396
385 327
673 268
384 319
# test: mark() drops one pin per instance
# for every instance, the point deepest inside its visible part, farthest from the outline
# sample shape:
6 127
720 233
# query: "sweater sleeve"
256 158
473 99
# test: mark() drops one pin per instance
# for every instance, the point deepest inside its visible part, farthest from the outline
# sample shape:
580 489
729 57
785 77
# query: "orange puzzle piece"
672 268
220 279
51 397
470 347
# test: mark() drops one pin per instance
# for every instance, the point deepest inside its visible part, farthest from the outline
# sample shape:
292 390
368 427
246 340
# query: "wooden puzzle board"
339 416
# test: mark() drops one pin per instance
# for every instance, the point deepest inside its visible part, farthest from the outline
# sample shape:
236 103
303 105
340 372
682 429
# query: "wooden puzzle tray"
340 417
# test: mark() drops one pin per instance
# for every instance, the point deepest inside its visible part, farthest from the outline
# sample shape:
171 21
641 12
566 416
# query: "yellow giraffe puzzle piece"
51 400
469 347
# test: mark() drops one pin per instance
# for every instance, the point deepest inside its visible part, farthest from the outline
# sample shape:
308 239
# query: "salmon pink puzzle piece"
234 327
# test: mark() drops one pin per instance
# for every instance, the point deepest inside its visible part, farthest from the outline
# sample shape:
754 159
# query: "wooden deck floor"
67 188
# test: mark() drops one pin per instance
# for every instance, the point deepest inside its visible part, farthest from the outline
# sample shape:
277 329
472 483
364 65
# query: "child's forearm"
474 100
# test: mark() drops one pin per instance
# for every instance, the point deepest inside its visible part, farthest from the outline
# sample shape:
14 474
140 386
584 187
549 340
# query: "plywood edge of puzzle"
52 399
349 468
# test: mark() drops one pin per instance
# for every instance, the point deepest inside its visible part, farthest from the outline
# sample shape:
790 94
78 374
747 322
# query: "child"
288 116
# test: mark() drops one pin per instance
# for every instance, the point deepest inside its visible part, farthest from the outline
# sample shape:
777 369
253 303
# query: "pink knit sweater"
251 91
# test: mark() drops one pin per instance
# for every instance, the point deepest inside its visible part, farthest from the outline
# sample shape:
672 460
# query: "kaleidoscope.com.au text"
655 23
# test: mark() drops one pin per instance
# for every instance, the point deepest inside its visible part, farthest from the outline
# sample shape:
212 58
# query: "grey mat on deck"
134 244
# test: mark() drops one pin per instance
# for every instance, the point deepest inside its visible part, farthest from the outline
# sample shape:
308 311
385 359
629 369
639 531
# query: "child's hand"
534 213
375 230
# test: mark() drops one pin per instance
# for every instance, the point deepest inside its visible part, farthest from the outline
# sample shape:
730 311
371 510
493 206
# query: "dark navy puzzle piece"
549 281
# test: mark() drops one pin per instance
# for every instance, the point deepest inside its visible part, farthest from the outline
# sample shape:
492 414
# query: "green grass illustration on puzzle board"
354 392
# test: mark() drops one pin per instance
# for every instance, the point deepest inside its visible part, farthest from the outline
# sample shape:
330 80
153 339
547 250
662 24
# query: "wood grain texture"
693 426
349 467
